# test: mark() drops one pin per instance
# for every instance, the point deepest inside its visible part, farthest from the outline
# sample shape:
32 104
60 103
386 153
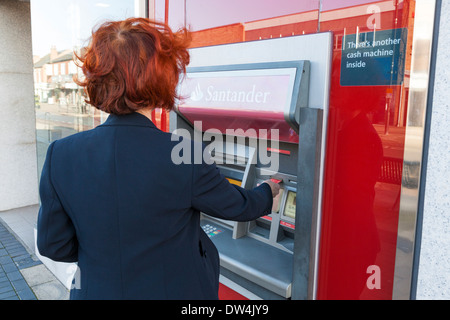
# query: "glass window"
366 121
366 135
59 29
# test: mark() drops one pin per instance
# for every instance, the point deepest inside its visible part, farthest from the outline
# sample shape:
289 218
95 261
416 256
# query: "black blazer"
113 201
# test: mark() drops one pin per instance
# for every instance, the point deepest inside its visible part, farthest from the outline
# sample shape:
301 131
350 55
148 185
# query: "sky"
204 14
68 23
337 4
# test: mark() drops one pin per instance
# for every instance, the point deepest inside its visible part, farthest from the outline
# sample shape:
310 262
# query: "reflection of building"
53 76
367 17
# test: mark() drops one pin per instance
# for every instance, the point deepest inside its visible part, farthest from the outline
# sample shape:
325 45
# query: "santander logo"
214 94
197 94
268 93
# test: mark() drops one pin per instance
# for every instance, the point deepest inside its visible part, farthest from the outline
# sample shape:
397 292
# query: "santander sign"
258 93
253 95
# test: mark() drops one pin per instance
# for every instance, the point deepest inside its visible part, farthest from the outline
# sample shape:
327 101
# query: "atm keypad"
210 230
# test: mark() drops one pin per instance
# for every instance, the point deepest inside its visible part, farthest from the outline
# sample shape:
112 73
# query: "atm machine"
257 122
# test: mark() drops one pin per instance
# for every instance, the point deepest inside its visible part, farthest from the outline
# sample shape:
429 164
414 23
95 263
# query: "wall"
434 273
18 169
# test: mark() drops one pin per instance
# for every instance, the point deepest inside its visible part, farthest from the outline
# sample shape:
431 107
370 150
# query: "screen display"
290 205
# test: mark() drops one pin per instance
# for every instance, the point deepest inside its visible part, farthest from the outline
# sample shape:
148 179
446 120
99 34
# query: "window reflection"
362 116
237 21
357 114
59 29
366 123
221 13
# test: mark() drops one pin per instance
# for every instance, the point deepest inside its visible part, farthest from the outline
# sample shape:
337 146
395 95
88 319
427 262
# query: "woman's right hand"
275 187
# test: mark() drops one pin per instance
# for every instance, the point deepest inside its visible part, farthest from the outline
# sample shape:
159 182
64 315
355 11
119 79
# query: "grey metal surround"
269 256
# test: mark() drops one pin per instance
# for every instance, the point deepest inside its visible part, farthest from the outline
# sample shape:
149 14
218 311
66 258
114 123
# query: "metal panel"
308 204
414 139
316 49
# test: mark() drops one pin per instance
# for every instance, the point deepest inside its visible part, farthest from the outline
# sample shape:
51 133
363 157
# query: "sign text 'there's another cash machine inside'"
261 109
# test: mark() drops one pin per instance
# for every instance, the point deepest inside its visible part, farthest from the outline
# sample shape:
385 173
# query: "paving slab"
22 275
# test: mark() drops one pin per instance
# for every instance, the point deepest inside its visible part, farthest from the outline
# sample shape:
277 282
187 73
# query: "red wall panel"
362 172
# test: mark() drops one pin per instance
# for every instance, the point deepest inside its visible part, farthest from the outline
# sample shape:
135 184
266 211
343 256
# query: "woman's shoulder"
71 138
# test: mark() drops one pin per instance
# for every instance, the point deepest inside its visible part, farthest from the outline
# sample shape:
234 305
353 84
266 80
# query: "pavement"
22 275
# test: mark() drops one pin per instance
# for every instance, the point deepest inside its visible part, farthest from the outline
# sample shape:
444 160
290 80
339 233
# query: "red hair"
133 64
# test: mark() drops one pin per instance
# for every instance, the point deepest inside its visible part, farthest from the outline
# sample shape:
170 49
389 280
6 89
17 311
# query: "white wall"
434 266
18 167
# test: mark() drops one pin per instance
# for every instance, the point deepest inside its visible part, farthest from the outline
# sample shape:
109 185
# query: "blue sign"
374 58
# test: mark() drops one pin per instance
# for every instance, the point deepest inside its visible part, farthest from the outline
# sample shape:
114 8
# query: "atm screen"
290 205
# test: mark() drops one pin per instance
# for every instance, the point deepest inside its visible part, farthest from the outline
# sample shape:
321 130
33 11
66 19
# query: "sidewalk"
22 275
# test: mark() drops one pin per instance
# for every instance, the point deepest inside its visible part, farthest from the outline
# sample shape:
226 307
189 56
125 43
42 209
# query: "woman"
113 200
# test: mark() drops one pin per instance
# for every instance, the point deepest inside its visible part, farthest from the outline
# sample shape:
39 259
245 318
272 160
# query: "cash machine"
259 122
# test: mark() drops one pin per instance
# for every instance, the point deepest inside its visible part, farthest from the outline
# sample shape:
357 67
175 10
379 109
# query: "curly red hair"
133 64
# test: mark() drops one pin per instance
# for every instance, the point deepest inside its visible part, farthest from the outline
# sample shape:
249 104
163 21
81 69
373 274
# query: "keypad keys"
211 230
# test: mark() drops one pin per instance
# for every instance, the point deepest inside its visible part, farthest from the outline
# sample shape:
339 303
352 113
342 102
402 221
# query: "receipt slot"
257 122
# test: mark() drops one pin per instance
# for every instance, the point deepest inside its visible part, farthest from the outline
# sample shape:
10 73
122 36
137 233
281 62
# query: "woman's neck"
146 112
